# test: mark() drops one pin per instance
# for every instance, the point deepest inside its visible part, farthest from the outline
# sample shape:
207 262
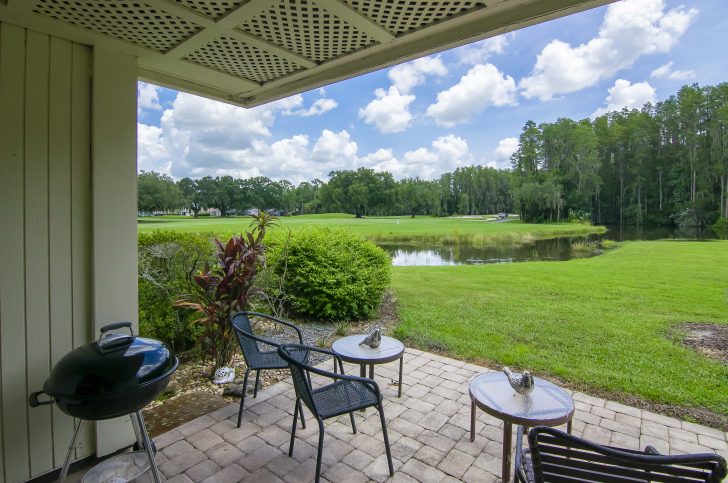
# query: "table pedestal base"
507 441
363 373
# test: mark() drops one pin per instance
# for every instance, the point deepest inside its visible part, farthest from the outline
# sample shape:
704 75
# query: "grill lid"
114 364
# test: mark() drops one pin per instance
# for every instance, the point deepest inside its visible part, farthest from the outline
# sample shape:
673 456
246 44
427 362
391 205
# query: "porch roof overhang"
249 52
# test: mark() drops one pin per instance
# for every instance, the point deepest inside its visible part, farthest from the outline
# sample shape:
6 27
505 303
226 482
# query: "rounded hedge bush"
332 274
167 261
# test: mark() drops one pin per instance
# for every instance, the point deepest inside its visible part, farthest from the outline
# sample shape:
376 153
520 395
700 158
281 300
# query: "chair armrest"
334 375
277 320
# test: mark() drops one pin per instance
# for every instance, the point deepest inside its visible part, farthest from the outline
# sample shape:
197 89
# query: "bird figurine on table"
372 340
521 383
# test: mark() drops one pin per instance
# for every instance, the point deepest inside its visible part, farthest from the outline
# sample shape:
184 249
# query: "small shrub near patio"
168 261
332 274
226 287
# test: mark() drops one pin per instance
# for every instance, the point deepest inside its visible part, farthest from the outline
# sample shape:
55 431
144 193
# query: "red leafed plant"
226 288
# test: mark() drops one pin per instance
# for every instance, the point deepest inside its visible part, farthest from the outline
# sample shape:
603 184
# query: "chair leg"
386 439
242 395
296 410
300 411
257 383
353 423
320 448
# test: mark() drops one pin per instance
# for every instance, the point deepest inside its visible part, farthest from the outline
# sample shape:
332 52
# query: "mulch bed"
191 392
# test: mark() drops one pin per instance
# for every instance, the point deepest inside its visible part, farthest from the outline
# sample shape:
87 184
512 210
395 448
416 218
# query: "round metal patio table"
547 405
389 350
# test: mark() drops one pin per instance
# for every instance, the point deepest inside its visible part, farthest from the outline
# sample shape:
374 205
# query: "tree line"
663 164
666 163
362 192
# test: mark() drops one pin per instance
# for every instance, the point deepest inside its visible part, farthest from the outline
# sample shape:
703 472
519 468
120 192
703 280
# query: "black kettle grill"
117 375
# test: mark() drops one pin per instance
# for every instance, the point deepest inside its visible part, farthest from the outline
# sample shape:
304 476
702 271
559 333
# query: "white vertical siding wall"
45 218
67 219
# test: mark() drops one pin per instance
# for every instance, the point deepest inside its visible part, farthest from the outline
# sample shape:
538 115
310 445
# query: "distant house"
213 212
252 211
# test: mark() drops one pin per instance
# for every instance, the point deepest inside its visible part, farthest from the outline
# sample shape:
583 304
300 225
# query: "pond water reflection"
557 249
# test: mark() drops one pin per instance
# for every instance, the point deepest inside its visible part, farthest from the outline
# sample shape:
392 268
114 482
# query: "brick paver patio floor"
428 429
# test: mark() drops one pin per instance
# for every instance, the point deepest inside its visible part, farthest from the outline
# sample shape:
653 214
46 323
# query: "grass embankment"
603 322
477 231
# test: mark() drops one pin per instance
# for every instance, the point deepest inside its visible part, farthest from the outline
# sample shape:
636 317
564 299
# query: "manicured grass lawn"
422 228
603 322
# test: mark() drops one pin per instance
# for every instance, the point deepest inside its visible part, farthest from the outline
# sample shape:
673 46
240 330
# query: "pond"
556 249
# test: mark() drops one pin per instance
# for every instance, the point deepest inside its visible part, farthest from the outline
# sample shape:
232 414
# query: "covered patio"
429 429
68 78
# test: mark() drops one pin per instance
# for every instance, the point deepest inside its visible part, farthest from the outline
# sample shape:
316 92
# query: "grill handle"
111 342
116 325
34 402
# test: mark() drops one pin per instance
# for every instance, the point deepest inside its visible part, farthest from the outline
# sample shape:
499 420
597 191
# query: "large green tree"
157 192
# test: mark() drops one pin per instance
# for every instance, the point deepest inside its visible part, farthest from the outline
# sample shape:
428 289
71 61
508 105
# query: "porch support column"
114 209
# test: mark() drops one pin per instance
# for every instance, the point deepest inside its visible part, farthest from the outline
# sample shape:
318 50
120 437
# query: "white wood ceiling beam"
182 12
222 26
357 20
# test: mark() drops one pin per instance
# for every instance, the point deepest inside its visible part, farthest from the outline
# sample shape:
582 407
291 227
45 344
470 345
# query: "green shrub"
226 287
331 273
720 227
584 246
607 244
168 260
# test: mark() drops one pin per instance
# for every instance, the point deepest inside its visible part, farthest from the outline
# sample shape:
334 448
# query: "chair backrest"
294 354
242 326
557 456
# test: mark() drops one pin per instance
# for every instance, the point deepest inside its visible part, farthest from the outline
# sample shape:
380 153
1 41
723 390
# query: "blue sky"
461 107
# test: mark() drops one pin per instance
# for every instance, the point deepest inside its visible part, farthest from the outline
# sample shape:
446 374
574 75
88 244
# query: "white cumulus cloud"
625 94
199 137
484 85
480 52
445 154
147 97
389 112
319 107
630 29
411 74
502 153
152 155
665 71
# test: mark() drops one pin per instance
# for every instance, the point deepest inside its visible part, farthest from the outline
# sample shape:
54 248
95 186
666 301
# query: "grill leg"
148 447
67 462
137 433
242 395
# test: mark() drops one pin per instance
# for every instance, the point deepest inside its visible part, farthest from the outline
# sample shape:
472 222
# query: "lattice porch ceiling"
248 52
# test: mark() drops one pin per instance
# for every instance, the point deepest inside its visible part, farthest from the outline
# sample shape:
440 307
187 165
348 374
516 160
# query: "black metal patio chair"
553 455
258 359
346 394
